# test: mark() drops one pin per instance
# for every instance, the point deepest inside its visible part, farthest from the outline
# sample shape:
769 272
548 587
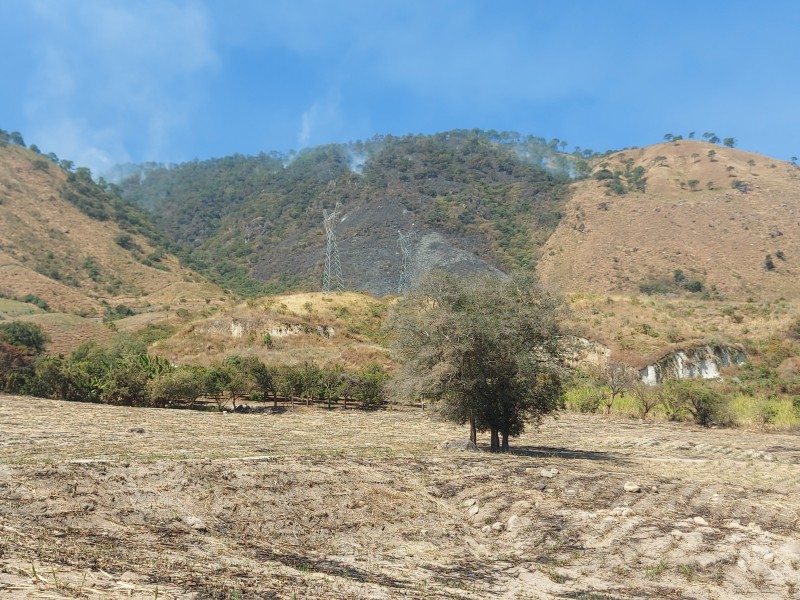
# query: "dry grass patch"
721 236
640 329
351 504
287 329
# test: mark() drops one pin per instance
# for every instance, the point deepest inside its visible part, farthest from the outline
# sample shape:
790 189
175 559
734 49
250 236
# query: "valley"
202 280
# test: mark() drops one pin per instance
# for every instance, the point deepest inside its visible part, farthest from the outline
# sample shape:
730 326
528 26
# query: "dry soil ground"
100 501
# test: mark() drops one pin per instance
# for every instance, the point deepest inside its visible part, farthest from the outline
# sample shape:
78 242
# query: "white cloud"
106 72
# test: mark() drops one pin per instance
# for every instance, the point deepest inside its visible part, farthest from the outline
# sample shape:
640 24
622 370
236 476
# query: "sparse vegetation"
679 281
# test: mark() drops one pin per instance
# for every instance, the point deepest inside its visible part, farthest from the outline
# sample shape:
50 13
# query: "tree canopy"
24 335
487 351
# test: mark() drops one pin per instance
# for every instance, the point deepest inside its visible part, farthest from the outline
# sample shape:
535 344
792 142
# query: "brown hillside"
342 328
51 249
690 217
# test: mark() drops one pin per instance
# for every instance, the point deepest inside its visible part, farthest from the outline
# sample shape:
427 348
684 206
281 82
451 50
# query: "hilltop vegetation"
255 223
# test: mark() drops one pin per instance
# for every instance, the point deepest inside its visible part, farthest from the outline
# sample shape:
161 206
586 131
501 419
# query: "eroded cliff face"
698 362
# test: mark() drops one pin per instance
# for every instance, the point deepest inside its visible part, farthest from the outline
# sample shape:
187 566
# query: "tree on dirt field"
125 384
289 382
369 384
487 351
15 365
647 397
704 403
262 377
176 386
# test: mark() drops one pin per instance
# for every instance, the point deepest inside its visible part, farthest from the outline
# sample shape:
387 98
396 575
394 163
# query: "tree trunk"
504 445
473 432
495 443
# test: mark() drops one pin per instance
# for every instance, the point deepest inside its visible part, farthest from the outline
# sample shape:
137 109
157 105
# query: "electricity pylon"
333 268
404 240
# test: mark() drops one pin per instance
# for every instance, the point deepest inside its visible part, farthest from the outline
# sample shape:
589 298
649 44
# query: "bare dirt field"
100 501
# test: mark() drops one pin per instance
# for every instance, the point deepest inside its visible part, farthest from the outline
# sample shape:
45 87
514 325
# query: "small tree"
126 383
239 372
647 397
729 142
704 404
488 351
618 378
178 386
289 382
331 383
15 367
369 384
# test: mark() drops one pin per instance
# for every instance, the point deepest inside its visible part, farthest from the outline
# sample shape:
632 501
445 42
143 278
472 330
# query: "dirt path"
99 501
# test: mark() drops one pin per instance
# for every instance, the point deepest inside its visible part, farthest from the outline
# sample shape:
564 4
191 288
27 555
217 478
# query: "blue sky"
103 82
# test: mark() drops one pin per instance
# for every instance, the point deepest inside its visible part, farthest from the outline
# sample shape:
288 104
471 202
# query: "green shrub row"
123 373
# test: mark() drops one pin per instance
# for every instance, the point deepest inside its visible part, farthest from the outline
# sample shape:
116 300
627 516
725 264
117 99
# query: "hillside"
708 218
70 246
291 329
476 201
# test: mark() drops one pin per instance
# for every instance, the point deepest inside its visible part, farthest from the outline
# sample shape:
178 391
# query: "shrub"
589 403
704 404
180 385
654 287
765 414
36 301
29 336
694 286
794 329
126 383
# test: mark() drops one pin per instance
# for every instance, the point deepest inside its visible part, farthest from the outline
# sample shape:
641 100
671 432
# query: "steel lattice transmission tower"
404 240
332 277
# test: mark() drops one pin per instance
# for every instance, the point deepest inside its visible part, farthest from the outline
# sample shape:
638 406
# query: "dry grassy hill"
82 267
713 212
344 328
76 263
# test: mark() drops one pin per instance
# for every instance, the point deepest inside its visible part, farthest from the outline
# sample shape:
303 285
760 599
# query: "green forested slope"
255 223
